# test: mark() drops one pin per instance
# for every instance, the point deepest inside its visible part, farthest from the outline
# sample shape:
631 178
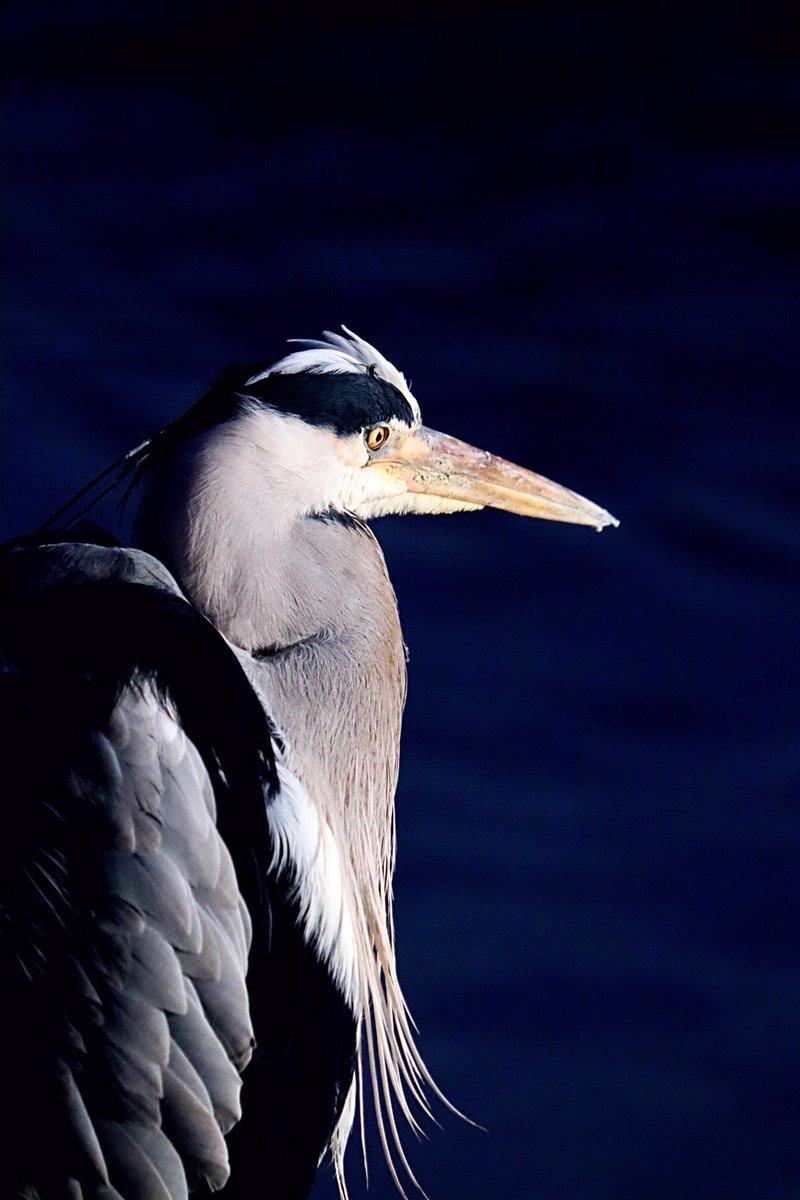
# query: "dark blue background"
574 227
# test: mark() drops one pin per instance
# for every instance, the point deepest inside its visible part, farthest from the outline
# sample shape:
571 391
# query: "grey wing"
124 932
147 993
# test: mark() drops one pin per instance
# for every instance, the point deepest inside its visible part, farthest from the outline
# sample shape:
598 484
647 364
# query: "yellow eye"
377 436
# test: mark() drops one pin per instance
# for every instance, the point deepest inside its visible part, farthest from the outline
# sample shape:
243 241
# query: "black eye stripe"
347 403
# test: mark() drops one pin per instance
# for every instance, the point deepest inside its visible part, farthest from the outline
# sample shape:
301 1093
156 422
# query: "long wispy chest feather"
324 689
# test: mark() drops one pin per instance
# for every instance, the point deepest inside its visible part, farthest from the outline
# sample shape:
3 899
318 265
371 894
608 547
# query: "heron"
201 753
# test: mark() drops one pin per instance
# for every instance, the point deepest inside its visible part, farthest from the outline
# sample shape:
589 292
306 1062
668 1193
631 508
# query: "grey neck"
309 597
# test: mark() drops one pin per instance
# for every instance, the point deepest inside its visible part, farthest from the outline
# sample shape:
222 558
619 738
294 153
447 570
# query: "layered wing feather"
124 933
145 934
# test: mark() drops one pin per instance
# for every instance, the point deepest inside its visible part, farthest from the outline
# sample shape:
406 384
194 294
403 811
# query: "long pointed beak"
435 464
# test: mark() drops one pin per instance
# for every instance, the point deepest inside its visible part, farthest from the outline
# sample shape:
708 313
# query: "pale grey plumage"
157 1035
169 923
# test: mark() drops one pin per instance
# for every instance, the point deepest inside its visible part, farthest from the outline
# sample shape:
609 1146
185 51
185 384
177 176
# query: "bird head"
339 424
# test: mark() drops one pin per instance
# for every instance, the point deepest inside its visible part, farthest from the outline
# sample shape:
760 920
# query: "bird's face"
350 426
